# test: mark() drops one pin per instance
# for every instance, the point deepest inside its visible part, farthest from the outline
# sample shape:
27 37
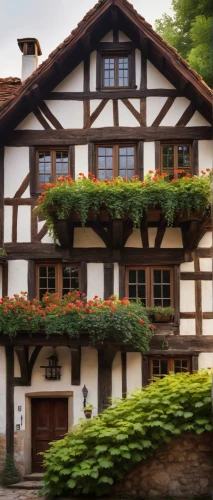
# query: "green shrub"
98 453
9 474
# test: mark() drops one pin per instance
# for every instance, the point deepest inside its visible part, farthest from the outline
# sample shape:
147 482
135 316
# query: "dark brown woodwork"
23 187
143 82
42 232
195 158
1 196
157 156
49 423
204 252
5 281
34 225
144 232
72 161
115 113
120 94
123 374
194 364
132 109
82 136
100 231
160 232
187 315
105 360
198 307
32 164
161 115
177 295
108 280
83 274
32 361
145 371
87 73
143 111
187 115
9 352
14 223
31 280
115 47
140 159
41 119
20 201
87 121
201 275
115 36
98 110
91 158
189 233
121 282
76 366
207 315
22 353
117 234
49 115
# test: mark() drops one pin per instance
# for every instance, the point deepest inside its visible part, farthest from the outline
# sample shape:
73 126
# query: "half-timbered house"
113 99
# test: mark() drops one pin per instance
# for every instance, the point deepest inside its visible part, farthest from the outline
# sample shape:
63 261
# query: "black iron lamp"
52 370
85 393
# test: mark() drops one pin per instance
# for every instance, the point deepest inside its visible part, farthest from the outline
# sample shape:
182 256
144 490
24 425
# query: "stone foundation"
2 450
18 451
182 468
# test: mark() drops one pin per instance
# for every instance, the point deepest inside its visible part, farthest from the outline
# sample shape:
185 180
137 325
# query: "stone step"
27 485
35 476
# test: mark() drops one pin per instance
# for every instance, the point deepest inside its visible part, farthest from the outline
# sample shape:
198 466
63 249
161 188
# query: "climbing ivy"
98 453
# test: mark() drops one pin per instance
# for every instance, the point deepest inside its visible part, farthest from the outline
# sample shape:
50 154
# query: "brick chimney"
30 48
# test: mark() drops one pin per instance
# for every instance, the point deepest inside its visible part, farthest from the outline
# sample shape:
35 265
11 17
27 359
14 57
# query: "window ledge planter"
167 318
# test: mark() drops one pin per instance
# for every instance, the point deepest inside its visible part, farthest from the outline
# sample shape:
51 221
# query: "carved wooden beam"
144 232
160 231
32 361
22 353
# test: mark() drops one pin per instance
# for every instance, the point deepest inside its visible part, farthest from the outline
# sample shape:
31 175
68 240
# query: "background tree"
190 32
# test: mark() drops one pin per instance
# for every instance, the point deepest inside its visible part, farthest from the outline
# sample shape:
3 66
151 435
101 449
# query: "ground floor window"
57 278
159 366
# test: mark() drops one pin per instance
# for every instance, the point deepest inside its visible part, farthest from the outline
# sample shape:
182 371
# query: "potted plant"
161 314
88 410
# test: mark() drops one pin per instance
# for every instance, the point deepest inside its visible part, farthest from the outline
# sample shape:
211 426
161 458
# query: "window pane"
108 72
70 279
61 163
132 276
166 276
166 291
123 71
157 276
105 163
141 276
164 367
126 162
47 280
132 292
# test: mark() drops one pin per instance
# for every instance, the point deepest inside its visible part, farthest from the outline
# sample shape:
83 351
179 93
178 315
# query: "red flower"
207 169
151 172
142 321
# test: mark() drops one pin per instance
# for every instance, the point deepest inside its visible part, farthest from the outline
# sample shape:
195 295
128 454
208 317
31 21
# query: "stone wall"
18 451
2 450
182 468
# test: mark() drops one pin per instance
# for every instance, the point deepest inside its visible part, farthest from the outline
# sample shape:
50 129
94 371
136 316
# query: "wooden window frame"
115 156
35 191
116 50
149 281
58 275
171 361
175 145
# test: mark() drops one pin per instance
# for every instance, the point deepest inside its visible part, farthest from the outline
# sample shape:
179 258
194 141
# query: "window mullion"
115 160
53 166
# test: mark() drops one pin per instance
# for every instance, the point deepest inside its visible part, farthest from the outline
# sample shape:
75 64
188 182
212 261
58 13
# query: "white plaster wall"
30 123
187 327
126 118
207 299
68 113
2 391
205 264
0 282
89 376
87 238
205 155
207 326
116 279
16 168
46 238
206 241
116 377
187 296
74 82
152 232
149 156
81 160
122 37
133 370
205 360
17 276
197 120
155 80
8 214
93 57
24 224
172 238
134 240
187 267
138 68
175 112
95 280
105 119
153 108
108 37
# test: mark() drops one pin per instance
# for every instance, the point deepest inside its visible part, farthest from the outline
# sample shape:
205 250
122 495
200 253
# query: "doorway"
49 423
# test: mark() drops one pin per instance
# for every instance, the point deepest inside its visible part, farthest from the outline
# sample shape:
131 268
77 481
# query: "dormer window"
115 71
115 66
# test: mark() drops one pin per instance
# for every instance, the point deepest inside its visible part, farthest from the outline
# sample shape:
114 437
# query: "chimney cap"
21 42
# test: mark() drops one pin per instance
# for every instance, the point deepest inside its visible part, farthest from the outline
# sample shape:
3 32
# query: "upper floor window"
115 160
116 71
115 66
174 158
57 278
51 164
152 285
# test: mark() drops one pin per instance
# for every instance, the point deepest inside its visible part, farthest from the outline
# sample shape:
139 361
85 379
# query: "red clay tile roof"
81 29
8 88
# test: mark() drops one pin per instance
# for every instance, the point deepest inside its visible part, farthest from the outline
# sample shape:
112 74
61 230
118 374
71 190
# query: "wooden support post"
194 363
76 366
105 359
123 374
145 370
108 280
9 400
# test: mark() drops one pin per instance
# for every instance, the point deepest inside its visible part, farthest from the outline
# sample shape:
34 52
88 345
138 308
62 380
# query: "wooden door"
49 423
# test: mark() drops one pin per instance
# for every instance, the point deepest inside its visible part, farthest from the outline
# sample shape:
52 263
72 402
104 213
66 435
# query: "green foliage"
190 32
3 252
9 474
124 198
96 454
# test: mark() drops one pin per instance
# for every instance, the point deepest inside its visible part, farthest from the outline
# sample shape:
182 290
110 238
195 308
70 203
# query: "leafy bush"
97 454
117 196
10 475
122 320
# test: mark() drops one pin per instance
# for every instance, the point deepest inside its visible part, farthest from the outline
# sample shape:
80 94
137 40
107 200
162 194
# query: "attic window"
115 67
115 71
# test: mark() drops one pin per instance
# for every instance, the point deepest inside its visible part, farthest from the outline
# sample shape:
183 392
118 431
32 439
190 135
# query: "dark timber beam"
108 280
76 366
105 360
9 351
22 353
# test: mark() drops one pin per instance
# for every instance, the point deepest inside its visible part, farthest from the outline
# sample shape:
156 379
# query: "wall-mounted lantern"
85 393
52 370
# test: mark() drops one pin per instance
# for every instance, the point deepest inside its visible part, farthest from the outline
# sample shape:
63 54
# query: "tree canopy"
190 32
